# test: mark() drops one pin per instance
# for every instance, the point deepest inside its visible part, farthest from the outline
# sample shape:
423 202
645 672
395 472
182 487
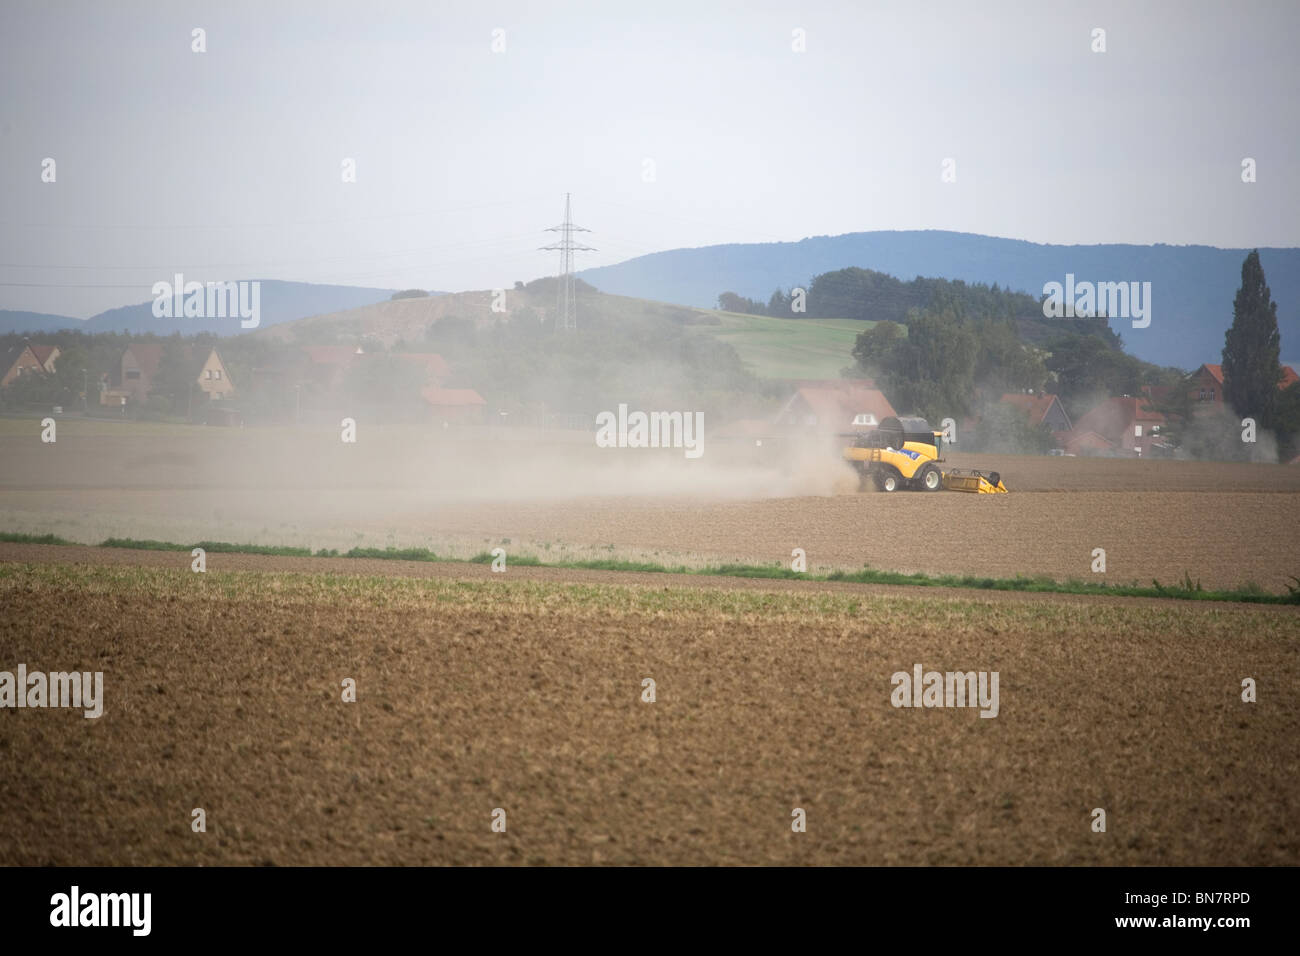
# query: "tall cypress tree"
1252 348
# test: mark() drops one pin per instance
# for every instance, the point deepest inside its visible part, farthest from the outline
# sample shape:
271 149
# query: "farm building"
835 406
27 359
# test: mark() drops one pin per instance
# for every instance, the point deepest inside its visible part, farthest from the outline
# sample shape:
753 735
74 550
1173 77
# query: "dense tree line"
865 294
935 365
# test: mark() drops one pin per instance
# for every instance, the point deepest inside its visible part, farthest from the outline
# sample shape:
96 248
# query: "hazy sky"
228 164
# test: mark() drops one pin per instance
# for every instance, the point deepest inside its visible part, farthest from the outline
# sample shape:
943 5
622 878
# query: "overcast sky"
228 164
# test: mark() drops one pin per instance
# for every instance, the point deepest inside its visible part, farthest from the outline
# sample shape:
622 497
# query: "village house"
1129 426
27 359
1042 409
835 406
1039 409
320 367
1206 385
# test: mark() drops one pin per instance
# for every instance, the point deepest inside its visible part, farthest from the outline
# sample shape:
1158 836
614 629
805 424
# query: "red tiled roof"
42 352
147 355
1037 406
1288 374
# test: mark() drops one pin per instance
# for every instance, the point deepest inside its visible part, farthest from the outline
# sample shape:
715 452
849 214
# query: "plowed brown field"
478 691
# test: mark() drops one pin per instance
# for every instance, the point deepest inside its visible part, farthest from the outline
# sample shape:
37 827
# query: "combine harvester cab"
907 453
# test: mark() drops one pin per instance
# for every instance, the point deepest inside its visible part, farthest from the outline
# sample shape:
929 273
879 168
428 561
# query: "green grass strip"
17 538
212 547
1187 589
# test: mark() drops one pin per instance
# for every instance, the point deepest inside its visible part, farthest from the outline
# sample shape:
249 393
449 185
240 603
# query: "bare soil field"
561 498
222 691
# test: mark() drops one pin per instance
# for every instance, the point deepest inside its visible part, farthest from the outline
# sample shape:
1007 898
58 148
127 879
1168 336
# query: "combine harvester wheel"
930 478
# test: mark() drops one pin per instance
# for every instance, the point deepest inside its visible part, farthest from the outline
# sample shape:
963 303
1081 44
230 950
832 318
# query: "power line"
274 265
174 227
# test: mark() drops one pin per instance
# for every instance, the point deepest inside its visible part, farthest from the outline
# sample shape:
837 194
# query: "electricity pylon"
567 310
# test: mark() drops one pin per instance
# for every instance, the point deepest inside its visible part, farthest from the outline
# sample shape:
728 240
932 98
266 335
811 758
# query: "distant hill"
12 321
1192 286
409 319
280 302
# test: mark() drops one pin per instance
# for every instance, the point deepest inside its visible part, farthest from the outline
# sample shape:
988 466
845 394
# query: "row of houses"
322 368
138 369
1121 426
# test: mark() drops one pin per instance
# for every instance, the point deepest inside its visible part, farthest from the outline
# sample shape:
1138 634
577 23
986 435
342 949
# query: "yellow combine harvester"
905 453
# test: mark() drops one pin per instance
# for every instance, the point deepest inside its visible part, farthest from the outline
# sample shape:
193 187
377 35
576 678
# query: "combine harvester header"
905 453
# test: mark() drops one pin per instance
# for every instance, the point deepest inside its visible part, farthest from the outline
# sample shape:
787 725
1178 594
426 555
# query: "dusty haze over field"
562 498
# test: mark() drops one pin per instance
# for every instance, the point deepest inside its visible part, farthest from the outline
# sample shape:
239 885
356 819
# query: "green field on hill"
788 348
